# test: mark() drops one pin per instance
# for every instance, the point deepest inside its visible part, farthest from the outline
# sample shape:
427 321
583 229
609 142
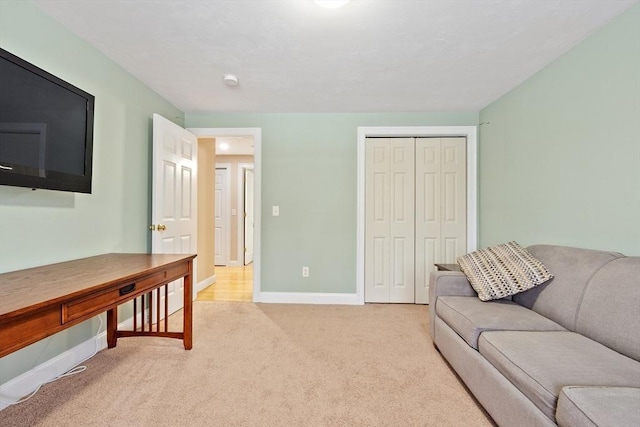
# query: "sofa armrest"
447 283
452 283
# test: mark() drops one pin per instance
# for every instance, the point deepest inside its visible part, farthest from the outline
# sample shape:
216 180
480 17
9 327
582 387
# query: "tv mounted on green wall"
46 129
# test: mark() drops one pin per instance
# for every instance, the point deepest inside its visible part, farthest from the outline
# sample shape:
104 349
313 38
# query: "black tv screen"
46 129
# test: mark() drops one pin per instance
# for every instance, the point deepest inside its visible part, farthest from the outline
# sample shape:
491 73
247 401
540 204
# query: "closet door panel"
453 226
402 170
428 213
377 220
389 206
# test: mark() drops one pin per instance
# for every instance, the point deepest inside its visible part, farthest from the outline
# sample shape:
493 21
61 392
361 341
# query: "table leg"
112 326
188 309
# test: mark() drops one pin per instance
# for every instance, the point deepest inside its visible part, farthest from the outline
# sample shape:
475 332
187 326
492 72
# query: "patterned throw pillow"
503 270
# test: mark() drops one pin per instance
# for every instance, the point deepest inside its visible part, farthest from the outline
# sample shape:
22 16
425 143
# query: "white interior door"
389 223
221 216
174 197
440 207
248 216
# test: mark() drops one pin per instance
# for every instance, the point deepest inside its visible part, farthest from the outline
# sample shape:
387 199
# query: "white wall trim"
204 284
24 384
469 132
256 133
308 298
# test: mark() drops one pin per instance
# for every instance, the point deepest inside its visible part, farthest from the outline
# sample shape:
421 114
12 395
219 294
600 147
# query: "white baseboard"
204 284
25 384
307 298
236 263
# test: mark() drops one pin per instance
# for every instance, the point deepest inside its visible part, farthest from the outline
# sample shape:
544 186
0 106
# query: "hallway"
232 284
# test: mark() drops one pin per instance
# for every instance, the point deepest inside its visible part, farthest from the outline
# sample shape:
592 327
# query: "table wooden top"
51 284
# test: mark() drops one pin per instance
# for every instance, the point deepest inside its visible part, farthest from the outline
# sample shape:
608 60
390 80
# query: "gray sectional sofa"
566 352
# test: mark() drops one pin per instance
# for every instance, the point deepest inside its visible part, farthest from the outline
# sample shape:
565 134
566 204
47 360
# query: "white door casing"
389 247
248 215
174 186
221 214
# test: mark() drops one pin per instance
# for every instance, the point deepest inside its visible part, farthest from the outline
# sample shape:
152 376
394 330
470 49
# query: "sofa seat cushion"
598 406
540 364
469 317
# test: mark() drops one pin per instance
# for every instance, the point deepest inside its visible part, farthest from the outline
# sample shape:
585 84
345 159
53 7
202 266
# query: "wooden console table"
41 301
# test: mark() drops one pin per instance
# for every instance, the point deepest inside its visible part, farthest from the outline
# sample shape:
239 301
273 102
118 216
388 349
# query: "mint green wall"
560 158
309 170
42 227
559 163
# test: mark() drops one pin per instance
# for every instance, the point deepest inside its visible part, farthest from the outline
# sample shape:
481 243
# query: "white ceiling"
236 145
369 56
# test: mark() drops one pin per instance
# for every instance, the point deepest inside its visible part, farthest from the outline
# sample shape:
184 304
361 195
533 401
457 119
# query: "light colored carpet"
266 365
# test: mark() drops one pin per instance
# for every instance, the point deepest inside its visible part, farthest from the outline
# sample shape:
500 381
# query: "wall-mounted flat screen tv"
46 129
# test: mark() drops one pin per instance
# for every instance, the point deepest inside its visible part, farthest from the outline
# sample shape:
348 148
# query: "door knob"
162 227
152 227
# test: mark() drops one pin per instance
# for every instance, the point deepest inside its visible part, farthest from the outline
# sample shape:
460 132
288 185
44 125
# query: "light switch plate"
275 210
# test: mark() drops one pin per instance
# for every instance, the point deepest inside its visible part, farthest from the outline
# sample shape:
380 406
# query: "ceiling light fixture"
230 80
331 4
223 146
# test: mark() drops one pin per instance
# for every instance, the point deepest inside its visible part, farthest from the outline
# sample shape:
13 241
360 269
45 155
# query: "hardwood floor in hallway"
232 284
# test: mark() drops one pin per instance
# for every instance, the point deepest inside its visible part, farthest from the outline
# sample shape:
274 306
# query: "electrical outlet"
305 271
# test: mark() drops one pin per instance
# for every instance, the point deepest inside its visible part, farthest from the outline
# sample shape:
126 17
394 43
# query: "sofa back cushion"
610 309
559 298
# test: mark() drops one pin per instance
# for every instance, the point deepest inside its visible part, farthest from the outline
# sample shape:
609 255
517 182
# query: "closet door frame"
468 132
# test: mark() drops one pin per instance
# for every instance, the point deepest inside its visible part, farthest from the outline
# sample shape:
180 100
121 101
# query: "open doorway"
234 219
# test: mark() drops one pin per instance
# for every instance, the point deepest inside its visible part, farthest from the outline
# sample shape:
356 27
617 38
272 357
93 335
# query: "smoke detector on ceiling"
230 80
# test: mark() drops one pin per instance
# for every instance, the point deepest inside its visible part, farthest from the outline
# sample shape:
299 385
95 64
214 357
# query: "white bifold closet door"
415 209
